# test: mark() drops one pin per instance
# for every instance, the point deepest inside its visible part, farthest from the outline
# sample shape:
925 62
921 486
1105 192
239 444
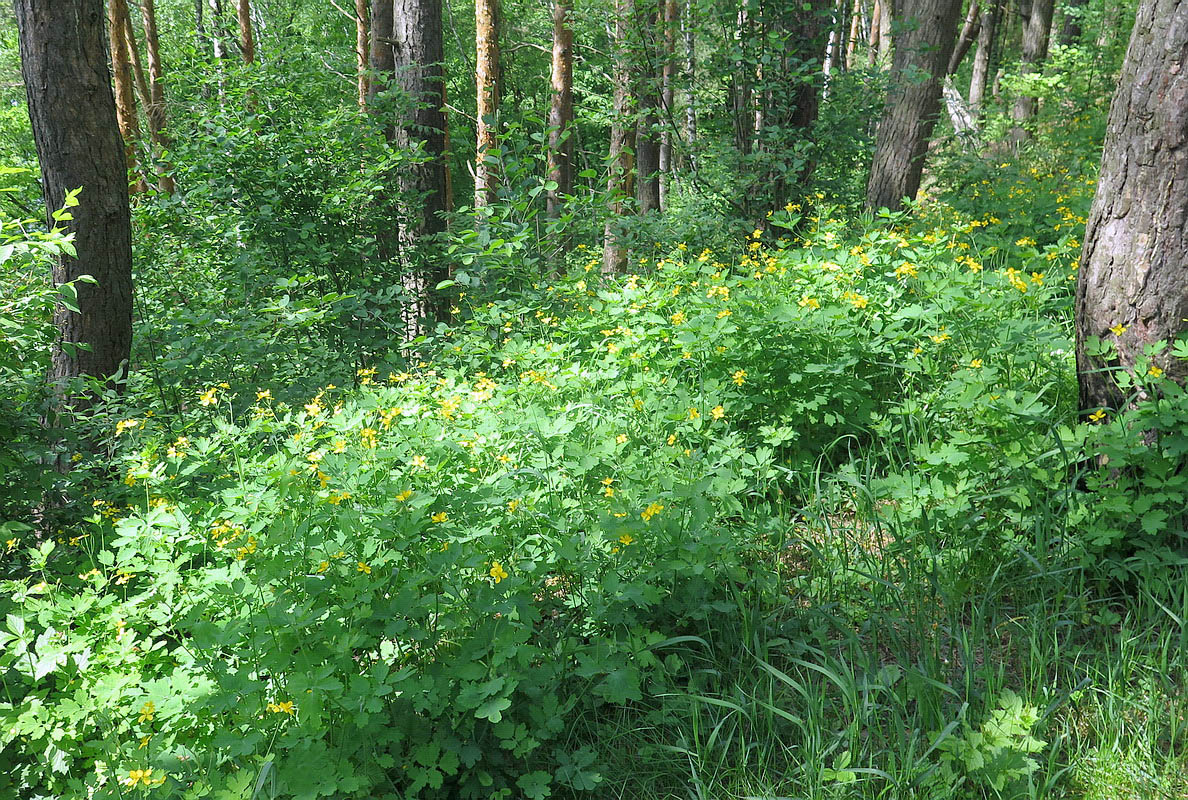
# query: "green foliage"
996 755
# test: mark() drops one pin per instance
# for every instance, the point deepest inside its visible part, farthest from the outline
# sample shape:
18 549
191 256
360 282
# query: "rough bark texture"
872 41
247 41
614 254
1134 266
362 50
406 48
561 109
488 89
981 65
647 100
154 110
667 97
121 70
969 32
72 111
690 75
922 51
1035 50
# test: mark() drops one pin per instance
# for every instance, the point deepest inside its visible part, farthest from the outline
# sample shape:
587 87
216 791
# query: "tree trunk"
73 116
125 98
488 89
981 65
667 97
884 21
247 42
618 188
406 48
647 142
969 32
1070 31
855 33
362 51
740 90
560 164
921 56
1132 287
154 110
1035 50
690 75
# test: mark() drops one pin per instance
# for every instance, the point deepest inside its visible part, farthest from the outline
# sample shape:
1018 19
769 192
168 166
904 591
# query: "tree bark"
981 65
855 33
154 109
560 165
362 51
125 98
247 41
969 32
667 97
614 253
73 116
1070 31
488 85
690 76
1035 50
922 52
647 98
873 44
1132 287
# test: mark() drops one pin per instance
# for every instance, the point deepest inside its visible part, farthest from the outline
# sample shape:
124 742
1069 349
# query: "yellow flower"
282 708
694 413
975 364
908 270
1026 241
11 544
1098 415
725 312
497 571
147 711
1118 329
209 397
809 302
407 493
364 568
626 539
739 377
418 462
1154 371
1037 278
323 566
678 318
439 517
368 437
512 505
652 510
609 491
859 301
145 776
717 412
126 424
264 394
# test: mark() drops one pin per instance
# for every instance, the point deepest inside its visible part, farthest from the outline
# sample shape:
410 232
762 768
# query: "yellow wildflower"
497 571
364 568
282 708
652 510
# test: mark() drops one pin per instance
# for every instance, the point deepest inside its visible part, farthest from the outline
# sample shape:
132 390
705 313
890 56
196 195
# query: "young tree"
923 46
488 85
618 188
969 32
1132 287
560 164
981 65
73 115
362 51
121 69
668 97
247 41
1035 50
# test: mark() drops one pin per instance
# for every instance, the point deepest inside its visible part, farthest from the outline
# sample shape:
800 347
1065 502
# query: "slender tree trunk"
247 41
406 49
1070 31
138 74
125 99
855 28
969 32
362 51
647 96
560 164
73 116
885 40
690 79
1035 50
1132 288
873 42
154 109
921 55
981 65
667 97
614 253
488 90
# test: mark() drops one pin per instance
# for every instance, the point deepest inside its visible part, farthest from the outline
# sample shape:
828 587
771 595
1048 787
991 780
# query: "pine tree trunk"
488 90
154 109
922 53
125 98
614 253
969 32
73 116
874 45
1035 50
981 65
1132 287
362 51
855 33
560 165
247 41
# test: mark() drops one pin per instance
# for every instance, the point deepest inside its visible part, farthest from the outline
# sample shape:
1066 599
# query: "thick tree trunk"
247 41
154 110
488 90
1132 287
125 98
72 111
362 51
981 65
560 164
614 253
647 100
922 53
969 32
667 97
406 48
1035 50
